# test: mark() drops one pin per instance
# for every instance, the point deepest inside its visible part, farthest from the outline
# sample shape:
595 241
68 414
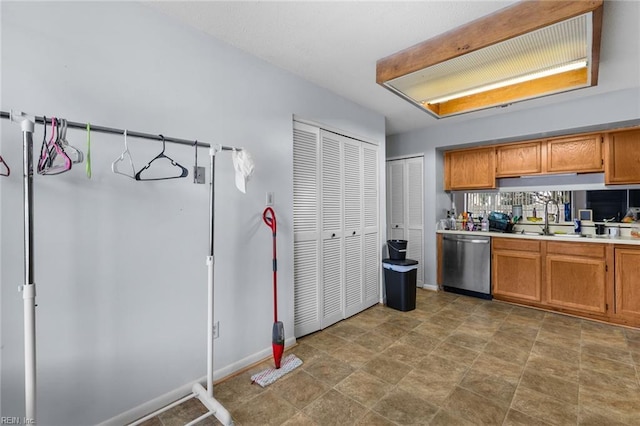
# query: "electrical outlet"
216 329
198 174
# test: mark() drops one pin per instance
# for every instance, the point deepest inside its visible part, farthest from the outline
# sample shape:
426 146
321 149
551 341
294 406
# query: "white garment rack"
27 124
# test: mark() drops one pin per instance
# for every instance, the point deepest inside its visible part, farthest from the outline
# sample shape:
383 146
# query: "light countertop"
600 239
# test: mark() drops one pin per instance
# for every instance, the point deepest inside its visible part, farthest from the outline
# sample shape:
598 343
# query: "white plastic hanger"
74 153
125 153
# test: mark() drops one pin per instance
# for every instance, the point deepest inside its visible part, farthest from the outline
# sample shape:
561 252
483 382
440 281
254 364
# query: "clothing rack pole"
29 288
27 123
132 133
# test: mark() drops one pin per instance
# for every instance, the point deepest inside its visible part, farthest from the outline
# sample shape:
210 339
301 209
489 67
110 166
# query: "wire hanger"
4 165
121 158
72 152
183 171
53 160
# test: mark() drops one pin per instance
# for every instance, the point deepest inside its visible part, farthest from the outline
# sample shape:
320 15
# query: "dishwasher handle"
465 240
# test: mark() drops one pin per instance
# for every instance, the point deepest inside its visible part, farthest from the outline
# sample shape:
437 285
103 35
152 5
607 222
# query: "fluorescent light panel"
510 82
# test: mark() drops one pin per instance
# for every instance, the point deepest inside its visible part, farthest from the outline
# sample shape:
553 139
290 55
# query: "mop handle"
269 218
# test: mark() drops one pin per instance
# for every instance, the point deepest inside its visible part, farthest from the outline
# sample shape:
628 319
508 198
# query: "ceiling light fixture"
504 83
531 49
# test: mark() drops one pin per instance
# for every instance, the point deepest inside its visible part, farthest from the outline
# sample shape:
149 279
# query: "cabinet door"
576 282
470 169
516 267
516 275
627 283
306 229
622 154
519 159
575 154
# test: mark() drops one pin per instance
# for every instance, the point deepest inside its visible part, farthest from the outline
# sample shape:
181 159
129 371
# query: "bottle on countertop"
534 212
484 225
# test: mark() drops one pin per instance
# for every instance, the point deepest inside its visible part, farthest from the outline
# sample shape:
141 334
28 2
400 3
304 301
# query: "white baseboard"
431 287
161 401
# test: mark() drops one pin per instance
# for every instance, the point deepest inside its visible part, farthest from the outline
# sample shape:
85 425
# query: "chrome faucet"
545 230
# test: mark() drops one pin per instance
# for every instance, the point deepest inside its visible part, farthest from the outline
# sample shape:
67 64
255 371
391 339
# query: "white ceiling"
336 44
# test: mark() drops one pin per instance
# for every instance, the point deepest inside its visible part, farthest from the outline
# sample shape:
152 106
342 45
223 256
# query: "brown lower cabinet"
627 284
593 280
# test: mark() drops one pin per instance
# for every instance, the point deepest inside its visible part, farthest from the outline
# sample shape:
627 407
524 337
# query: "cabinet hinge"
606 268
606 306
602 161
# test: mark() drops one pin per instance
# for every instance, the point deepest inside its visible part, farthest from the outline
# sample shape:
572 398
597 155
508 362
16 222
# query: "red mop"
277 335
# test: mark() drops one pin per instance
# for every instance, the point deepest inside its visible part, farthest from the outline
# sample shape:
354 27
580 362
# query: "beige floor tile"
624 401
404 322
334 408
237 390
420 341
265 409
364 388
516 418
467 340
590 415
553 367
608 366
307 353
554 387
497 367
374 341
325 341
614 353
445 418
299 388
543 407
300 419
329 370
507 353
493 388
189 410
404 408
430 387
456 353
475 408
513 339
551 350
402 352
354 355
386 369
374 419
346 330
597 380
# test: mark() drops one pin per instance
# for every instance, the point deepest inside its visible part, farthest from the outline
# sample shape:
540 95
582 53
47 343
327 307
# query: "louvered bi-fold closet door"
332 260
353 200
396 199
306 229
371 247
414 213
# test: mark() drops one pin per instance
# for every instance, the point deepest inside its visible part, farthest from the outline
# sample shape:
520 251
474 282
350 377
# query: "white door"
331 258
306 229
405 207
395 200
371 247
352 196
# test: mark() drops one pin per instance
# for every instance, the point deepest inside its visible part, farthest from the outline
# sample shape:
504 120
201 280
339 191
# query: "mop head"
270 375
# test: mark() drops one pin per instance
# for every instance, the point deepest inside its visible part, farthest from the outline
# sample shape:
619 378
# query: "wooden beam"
504 95
512 21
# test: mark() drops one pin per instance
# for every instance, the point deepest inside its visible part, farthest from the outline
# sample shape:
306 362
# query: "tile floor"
454 360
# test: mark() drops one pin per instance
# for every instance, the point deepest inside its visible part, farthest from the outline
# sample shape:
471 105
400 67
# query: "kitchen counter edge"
586 239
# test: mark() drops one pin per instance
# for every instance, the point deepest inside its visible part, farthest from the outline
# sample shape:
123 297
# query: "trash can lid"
403 262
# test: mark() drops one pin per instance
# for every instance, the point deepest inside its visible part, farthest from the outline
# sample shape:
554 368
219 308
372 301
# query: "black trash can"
400 283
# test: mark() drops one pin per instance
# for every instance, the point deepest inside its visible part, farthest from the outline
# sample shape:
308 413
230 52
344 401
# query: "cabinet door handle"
333 235
354 233
396 226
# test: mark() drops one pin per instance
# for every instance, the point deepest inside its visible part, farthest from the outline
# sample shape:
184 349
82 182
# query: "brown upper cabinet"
519 159
622 157
470 169
580 154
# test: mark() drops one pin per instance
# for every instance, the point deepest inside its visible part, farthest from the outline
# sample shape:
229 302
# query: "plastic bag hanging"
243 165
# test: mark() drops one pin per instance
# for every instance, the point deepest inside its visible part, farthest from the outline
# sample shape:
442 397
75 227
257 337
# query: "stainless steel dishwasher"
466 265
